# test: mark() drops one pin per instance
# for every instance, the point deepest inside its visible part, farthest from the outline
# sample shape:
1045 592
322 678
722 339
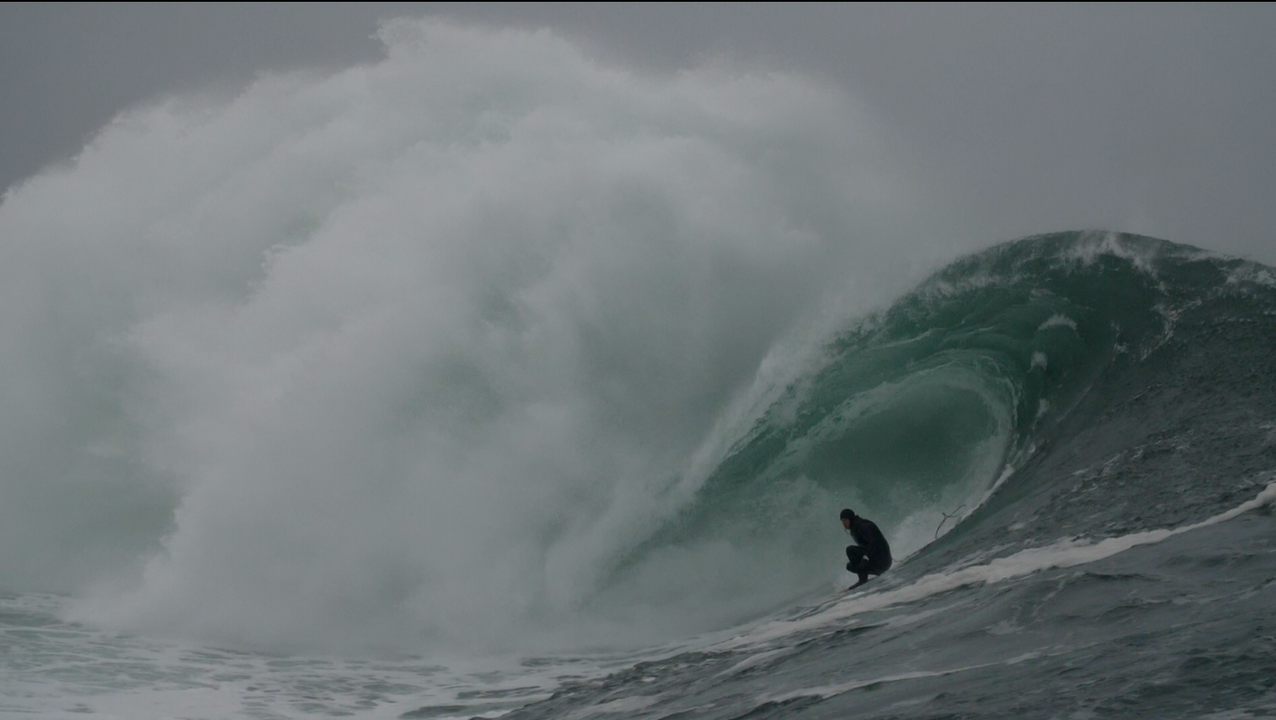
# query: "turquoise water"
1105 407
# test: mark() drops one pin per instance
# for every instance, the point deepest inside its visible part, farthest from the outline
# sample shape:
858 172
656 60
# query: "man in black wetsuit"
870 555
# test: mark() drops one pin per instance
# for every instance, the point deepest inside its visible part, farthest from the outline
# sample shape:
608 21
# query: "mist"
1015 119
408 353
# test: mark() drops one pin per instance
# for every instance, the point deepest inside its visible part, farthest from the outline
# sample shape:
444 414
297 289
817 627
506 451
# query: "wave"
995 371
488 345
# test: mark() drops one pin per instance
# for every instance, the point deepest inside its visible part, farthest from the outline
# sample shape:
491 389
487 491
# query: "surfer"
870 555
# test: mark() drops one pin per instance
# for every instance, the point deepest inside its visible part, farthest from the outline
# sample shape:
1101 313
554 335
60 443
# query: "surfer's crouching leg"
858 563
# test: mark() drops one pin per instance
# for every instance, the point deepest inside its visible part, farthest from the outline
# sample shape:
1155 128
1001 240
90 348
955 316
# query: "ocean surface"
1069 439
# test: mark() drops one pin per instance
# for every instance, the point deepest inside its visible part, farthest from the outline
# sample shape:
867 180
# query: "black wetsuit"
870 555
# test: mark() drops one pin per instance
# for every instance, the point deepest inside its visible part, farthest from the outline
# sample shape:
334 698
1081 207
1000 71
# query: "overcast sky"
1017 120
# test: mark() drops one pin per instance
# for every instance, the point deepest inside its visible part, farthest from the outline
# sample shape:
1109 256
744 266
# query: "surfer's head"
847 515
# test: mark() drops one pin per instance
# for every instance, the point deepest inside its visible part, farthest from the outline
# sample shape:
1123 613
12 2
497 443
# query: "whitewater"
491 380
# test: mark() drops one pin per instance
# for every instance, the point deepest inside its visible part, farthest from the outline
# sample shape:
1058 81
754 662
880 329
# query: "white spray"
402 355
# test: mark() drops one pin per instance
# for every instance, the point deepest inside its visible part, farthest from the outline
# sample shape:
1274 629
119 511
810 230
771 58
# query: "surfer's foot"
861 582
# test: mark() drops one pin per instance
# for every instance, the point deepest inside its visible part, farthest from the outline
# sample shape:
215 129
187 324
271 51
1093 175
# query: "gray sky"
1017 119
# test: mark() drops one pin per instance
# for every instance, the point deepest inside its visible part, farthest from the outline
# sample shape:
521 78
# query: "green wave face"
914 414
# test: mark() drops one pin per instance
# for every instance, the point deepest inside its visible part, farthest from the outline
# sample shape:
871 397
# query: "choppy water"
54 668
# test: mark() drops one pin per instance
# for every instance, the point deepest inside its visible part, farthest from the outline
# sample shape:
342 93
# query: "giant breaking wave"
488 345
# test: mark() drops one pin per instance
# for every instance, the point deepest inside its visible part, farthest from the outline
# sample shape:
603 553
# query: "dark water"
1154 409
1180 629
